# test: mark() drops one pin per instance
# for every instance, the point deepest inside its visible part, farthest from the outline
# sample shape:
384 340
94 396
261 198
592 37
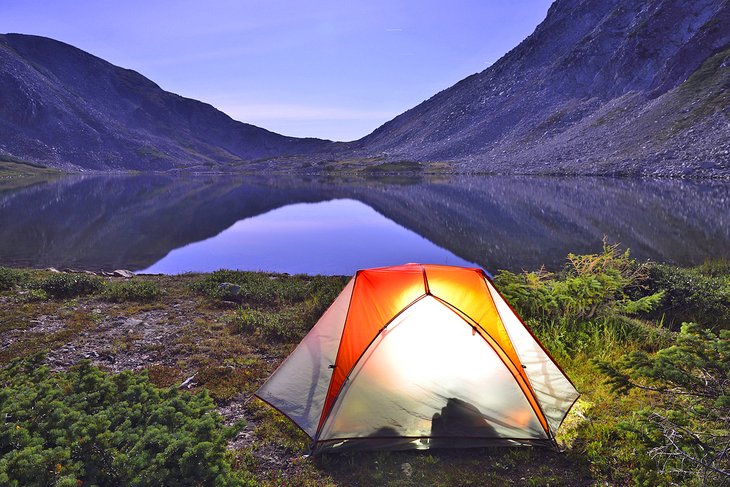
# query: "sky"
328 69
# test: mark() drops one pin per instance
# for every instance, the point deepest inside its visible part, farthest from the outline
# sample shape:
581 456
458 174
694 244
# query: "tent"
416 357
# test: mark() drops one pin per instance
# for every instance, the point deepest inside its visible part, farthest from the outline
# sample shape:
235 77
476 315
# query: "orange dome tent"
421 356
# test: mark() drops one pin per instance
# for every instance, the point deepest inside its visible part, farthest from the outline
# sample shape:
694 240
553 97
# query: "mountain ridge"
66 108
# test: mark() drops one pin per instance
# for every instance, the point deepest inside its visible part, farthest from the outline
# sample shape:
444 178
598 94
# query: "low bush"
269 290
87 427
284 326
134 290
700 294
9 278
686 431
65 285
252 287
715 268
590 306
289 323
590 287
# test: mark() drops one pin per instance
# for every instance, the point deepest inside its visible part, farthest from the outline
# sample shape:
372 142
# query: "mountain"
601 86
63 107
632 87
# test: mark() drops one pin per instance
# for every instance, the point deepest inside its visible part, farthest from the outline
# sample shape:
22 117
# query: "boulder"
123 273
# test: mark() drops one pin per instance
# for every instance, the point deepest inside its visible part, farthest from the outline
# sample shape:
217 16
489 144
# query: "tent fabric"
421 356
299 386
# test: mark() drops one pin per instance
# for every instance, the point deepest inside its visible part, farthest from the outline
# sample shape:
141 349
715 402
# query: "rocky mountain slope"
63 107
601 86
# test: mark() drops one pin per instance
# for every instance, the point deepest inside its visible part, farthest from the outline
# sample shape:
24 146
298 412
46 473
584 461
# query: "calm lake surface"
166 224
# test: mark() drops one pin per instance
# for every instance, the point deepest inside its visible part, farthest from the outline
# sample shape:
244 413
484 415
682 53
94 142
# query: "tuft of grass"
225 383
252 287
284 326
134 290
281 306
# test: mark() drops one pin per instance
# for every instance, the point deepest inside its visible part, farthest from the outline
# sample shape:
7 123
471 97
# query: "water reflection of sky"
332 237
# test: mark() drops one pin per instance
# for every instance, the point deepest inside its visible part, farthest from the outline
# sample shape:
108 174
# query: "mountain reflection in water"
134 222
330 237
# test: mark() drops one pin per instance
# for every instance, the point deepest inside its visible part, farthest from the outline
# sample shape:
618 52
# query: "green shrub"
597 338
290 322
251 287
258 289
9 278
87 427
247 320
715 268
70 285
133 290
699 294
687 427
591 286
589 306
33 295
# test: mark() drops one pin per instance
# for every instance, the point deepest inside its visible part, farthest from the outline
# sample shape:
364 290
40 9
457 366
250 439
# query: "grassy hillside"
14 175
200 347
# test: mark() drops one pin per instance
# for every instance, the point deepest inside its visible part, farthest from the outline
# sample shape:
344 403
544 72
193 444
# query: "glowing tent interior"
420 356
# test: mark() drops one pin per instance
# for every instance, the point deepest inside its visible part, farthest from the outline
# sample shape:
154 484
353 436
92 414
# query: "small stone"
123 273
231 290
407 469
53 269
132 322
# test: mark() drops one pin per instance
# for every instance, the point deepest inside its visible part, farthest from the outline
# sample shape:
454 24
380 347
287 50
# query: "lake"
165 224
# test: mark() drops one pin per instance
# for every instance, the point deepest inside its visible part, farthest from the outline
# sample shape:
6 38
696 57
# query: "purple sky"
330 69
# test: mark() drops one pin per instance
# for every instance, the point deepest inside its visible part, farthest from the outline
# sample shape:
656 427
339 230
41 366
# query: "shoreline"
365 172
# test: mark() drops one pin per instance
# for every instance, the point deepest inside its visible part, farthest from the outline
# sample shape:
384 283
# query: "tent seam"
425 279
546 426
529 381
364 350
529 330
322 419
273 374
